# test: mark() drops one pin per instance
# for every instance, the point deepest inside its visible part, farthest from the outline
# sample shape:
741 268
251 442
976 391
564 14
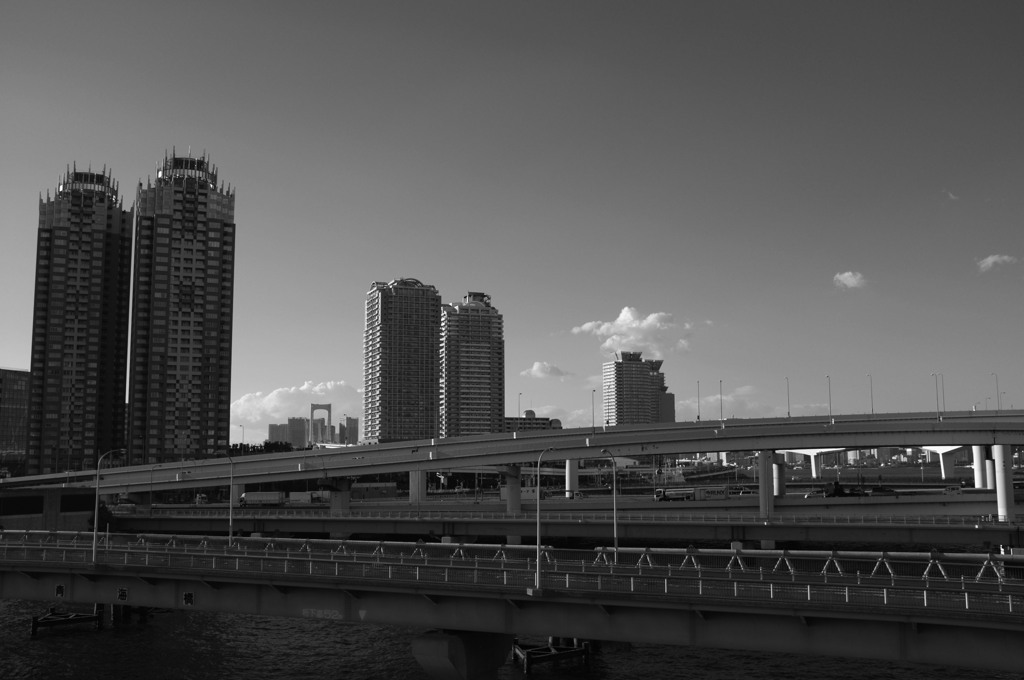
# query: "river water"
203 646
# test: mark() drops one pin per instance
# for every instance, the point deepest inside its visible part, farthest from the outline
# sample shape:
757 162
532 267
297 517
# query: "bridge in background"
960 610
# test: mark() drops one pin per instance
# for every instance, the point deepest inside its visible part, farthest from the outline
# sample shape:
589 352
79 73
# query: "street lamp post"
231 497
593 412
721 412
615 506
871 393
698 400
96 504
788 410
828 379
536 583
936 376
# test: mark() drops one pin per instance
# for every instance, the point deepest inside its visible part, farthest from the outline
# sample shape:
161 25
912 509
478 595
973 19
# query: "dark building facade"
14 399
182 311
79 324
401 361
472 389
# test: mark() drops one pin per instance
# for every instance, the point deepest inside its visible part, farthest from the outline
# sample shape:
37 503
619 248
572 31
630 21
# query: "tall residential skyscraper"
401 361
634 391
14 400
472 367
79 324
183 296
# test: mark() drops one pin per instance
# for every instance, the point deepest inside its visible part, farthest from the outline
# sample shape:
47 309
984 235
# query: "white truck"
261 498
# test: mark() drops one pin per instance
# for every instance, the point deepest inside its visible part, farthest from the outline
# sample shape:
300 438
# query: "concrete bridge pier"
766 483
1002 459
417 486
514 502
978 453
572 477
815 466
461 655
946 464
341 493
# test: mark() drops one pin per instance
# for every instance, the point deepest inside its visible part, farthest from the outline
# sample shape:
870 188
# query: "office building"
472 388
529 422
14 400
401 361
183 297
298 433
349 433
79 324
634 391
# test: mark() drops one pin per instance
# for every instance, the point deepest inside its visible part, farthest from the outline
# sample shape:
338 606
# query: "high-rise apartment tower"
183 296
401 365
634 391
472 389
79 324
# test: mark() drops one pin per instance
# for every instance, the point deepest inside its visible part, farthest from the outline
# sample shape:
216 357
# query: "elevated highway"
1003 428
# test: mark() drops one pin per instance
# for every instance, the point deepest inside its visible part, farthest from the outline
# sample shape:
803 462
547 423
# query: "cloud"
655 334
256 410
847 280
993 261
542 369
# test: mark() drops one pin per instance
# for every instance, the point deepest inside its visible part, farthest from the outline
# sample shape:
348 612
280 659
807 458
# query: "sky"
798 205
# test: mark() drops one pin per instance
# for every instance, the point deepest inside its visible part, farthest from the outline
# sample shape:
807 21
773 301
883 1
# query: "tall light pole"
615 506
721 413
96 504
698 400
936 376
828 379
593 412
536 583
788 411
231 497
871 392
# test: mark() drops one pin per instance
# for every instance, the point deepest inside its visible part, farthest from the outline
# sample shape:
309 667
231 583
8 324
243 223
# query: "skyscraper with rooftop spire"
79 324
182 310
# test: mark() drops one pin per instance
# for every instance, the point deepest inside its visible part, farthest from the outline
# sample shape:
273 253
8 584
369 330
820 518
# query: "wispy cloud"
654 334
846 280
992 261
542 369
257 410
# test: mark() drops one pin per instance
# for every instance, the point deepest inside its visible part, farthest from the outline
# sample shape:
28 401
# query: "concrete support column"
765 482
946 465
341 497
417 486
1002 458
461 655
978 453
514 497
779 474
572 477
513 490
990 474
815 466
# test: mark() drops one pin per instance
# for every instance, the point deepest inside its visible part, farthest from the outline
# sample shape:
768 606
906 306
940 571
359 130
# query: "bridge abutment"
461 655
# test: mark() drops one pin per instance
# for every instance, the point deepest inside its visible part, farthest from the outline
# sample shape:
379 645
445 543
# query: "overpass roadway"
722 526
957 610
971 428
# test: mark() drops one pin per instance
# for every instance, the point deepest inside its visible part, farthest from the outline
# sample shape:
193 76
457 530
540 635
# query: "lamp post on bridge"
536 584
615 506
96 504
